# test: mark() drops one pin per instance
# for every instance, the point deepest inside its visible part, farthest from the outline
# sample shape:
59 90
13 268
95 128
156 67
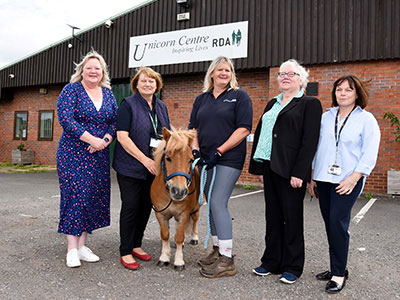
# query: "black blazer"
294 138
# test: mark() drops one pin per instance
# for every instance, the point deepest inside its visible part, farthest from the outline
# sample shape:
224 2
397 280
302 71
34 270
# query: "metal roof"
312 31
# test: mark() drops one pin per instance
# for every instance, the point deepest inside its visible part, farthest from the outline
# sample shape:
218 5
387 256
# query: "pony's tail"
189 226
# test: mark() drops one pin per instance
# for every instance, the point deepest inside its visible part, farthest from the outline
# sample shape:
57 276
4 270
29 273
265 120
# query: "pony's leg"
194 238
166 249
179 263
165 254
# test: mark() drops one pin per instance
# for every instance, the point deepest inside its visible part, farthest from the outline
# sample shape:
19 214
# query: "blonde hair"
77 76
149 72
208 81
178 140
303 73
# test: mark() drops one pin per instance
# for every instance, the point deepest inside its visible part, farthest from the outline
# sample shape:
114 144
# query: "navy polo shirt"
216 120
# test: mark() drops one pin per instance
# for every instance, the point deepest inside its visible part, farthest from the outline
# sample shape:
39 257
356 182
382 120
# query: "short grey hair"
208 82
77 76
303 73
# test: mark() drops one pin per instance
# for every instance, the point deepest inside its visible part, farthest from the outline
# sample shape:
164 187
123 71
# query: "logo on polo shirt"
229 100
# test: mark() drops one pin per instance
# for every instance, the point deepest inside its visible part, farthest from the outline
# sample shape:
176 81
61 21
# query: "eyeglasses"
288 74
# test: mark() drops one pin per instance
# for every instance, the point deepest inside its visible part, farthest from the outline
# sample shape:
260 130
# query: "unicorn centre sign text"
189 45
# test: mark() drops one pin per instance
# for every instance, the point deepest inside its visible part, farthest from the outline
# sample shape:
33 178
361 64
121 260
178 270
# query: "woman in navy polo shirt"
140 120
223 117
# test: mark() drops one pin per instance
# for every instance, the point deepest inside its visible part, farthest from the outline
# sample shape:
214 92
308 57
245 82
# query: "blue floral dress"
84 177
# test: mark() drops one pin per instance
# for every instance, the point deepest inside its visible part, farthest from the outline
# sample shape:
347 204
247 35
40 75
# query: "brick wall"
180 92
384 91
29 99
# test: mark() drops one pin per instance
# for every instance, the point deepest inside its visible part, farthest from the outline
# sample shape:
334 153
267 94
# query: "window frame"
52 124
15 125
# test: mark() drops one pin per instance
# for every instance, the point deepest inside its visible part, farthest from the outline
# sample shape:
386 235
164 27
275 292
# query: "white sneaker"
86 254
73 258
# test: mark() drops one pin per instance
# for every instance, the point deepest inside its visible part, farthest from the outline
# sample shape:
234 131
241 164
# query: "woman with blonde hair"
223 117
87 113
140 120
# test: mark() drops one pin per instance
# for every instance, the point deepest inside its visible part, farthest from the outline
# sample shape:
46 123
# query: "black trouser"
135 211
336 212
284 237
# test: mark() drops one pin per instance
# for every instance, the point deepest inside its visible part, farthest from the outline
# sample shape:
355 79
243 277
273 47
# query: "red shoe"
144 257
130 266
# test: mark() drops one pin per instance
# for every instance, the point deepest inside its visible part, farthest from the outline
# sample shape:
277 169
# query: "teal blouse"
263 151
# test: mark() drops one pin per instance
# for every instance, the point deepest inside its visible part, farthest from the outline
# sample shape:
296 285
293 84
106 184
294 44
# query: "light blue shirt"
264 146
357 149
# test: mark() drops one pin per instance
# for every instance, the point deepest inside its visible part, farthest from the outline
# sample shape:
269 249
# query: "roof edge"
78 33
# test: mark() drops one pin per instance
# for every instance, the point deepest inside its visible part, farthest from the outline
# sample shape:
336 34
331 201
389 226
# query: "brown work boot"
210 258
224 266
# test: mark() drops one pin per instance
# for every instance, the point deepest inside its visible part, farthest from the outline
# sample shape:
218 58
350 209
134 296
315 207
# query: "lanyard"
154 122
337 135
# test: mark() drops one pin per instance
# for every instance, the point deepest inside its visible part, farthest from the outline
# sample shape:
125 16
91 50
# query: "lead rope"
203 180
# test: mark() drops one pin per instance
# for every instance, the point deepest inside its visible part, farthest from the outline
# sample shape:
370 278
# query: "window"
20 125
46 125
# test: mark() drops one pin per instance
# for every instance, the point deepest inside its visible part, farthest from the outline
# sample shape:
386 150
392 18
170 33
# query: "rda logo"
222 42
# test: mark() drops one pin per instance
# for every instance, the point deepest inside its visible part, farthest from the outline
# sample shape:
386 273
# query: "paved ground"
32 256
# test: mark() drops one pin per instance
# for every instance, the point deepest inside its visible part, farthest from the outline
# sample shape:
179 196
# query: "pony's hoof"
163 263
179 268
194 242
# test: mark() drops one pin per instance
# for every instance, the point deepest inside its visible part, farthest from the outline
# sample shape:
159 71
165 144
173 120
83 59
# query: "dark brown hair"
354 83
149 72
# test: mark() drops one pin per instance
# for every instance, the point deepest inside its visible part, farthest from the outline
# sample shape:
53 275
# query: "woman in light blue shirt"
347 152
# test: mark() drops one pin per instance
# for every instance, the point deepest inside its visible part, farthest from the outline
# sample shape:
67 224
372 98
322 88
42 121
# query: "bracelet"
352 182
220 152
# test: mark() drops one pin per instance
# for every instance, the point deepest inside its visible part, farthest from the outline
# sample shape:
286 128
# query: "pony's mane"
179 139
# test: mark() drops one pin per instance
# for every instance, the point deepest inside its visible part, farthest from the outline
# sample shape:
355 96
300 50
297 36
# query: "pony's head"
173 159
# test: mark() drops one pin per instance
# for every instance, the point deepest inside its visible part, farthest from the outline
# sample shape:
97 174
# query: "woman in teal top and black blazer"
285 141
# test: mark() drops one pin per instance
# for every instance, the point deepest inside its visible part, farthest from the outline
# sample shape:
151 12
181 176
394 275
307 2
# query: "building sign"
189 45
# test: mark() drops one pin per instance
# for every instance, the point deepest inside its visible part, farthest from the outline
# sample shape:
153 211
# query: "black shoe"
332 287
324 276
328 275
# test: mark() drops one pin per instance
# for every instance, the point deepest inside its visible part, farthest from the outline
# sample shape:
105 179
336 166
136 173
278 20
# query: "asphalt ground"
32 253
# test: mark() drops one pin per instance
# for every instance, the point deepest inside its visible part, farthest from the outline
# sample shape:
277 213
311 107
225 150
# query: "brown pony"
175 192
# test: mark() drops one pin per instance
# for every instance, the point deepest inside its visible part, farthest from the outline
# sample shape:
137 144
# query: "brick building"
364 40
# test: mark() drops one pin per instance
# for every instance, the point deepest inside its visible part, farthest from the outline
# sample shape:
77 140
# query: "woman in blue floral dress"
87 113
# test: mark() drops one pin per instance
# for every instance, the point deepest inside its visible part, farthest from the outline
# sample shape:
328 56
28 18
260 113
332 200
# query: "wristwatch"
106 139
